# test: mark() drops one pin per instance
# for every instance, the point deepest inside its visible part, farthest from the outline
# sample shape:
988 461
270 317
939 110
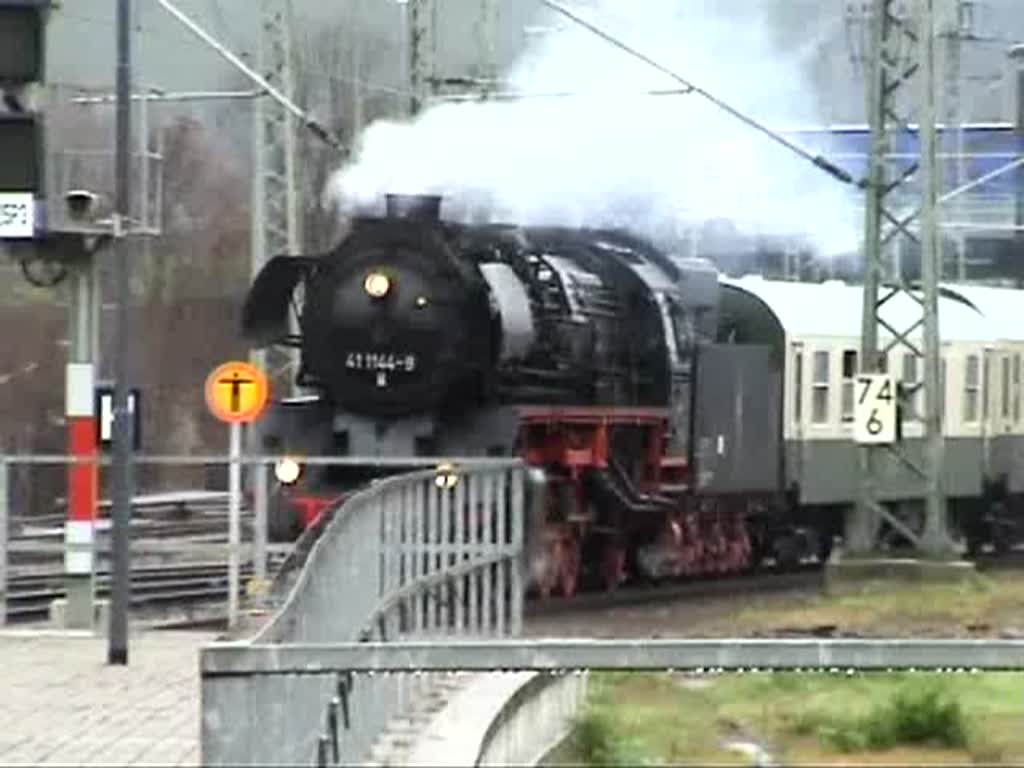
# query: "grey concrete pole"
935 540
862 522
1017 76
5 517
117 650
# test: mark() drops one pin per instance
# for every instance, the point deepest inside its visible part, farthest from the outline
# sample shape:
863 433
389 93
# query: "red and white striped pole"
82 492
80 412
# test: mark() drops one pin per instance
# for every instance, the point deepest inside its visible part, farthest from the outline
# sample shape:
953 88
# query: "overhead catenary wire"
366 85
369 85
517 96
307 120
818 160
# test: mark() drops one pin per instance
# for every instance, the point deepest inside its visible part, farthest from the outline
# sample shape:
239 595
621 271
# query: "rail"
199 590
179 553
407 559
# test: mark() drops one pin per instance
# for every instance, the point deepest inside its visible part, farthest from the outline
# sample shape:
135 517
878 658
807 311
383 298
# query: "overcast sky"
168 56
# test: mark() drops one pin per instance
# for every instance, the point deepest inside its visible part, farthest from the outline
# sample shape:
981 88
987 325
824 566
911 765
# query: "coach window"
943 392
1016 387
986 384
1006 387
971 389
798 387
849 375
819 394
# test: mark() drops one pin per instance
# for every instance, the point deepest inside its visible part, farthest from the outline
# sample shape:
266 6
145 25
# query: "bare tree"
31 396
190 312
347 72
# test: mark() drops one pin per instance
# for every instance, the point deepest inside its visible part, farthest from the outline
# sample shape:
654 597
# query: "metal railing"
417 556
559 655
169 529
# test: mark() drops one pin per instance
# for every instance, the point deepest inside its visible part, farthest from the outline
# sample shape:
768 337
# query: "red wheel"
548 568
570 565
613 567
742 544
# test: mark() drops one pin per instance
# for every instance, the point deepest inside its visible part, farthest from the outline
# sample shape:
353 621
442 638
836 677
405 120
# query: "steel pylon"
275 193
902 52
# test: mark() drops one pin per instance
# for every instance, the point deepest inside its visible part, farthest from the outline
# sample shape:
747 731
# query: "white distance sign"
875 413
17 215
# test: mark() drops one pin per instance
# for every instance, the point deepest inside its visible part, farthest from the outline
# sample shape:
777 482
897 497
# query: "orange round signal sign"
237 392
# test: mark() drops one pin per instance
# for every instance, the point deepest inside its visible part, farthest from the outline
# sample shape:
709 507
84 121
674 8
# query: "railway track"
29 595
767 581
713 603
1000 562
172 526
178 542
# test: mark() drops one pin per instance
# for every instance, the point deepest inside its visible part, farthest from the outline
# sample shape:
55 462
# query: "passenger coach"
815 332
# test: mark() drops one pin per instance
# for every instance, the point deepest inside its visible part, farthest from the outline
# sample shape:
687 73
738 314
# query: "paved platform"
62 703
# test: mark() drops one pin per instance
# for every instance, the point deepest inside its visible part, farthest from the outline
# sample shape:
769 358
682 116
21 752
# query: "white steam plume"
615 157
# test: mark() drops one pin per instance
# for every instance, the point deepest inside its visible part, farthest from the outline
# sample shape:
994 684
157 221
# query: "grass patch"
593 741
914 718
924 713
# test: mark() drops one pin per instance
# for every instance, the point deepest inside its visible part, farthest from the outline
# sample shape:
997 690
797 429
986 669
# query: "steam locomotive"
657 395
588 352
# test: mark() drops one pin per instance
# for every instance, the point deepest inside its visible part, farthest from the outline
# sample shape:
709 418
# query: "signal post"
50 253
83 476
80 609
47 258
237 393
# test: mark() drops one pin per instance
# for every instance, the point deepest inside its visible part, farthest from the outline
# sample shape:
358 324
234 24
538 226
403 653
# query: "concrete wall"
501 719
535 720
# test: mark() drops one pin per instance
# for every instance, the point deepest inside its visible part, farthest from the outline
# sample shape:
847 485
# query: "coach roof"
835 308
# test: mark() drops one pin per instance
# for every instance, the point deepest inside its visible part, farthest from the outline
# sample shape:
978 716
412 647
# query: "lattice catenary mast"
275 206
902 49
422 47
275 177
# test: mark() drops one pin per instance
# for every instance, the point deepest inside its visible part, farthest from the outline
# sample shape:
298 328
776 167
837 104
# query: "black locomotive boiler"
587 352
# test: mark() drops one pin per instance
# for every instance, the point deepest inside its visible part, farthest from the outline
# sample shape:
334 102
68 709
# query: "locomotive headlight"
287 471
377 285
446 477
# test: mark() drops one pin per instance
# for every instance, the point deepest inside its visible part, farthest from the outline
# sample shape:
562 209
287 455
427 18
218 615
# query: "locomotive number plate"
380 361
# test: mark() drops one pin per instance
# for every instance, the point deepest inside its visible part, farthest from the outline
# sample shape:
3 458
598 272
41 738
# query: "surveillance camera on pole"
81 204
